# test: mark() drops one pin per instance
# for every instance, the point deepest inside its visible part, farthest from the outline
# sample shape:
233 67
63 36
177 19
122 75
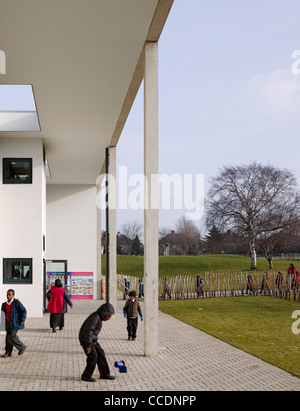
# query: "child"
141 289
88 335
131 310
249 284
15 316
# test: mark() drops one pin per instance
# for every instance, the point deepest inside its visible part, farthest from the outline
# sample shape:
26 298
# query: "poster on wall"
79 286
82 286
52 276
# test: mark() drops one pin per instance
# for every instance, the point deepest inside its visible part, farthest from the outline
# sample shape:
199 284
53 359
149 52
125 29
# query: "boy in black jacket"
131 310
88 336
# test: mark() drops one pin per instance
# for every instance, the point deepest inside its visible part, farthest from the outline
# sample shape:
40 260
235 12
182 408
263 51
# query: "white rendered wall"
22 221
72 227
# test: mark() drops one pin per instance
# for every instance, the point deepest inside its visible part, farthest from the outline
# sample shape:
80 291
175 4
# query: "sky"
229 93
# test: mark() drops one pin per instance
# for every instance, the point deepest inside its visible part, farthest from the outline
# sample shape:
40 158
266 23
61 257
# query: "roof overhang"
84 60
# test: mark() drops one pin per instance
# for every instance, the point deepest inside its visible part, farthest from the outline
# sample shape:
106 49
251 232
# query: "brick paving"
188 360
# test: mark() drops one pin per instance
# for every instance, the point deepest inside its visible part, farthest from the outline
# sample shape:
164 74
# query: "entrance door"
55 269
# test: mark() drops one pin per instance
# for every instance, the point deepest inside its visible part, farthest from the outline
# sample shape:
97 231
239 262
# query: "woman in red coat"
57 306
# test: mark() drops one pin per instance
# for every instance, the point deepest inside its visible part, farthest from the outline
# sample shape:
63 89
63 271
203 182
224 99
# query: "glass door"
53 270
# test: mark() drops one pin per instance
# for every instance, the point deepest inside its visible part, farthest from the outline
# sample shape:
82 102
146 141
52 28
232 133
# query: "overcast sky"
228 94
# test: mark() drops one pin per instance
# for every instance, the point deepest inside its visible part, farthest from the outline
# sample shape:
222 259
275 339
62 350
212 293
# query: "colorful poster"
82 286
52 276
79 287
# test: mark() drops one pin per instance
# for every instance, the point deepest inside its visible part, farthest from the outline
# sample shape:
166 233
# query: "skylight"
17 108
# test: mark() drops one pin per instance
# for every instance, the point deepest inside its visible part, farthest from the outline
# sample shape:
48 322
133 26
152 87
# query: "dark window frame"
16 159
15 281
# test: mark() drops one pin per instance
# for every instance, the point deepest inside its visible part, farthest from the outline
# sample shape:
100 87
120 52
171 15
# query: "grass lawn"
181 265
258 325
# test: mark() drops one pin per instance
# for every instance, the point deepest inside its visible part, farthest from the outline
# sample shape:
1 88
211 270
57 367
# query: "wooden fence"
224 284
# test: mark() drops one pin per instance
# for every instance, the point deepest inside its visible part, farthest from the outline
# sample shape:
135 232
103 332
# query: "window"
17 271
17 170
17 108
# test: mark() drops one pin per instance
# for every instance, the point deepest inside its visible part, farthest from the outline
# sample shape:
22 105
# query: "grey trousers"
12 340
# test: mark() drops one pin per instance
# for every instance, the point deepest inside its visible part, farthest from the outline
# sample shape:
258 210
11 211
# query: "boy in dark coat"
131 310
15 316
88 337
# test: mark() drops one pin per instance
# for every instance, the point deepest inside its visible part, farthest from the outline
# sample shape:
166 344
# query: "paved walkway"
188 360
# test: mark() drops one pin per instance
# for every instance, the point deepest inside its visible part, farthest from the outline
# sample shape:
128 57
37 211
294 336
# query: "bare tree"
132 230
253 199
188 234
271 243
162 232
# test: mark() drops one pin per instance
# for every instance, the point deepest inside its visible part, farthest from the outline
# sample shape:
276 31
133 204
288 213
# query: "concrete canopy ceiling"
83 60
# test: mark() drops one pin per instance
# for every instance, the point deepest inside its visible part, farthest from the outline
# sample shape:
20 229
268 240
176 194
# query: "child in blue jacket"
15 316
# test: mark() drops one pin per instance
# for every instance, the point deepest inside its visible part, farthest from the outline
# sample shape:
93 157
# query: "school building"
70 73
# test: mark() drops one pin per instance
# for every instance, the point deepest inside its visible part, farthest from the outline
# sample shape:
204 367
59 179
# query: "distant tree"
136 246
188 235
214 240
123 244
253 200
274 242
235 243
131 230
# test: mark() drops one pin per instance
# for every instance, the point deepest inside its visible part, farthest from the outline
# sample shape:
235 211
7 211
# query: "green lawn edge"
260 326
184 265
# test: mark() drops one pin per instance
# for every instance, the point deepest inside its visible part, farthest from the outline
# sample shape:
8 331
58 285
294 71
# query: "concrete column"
98 287
151 199
112 193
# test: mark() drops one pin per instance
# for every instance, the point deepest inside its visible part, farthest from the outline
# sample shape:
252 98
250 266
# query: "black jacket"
91 327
